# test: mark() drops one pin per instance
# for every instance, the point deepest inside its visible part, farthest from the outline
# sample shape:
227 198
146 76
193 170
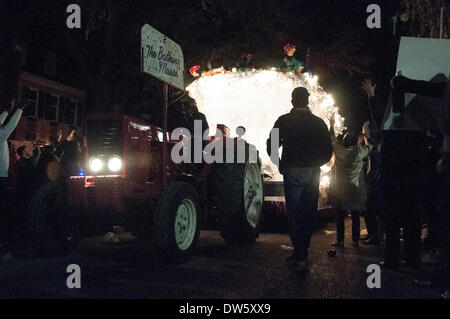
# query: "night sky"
324 26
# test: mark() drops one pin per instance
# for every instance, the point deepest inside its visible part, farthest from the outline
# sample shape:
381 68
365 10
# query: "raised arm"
6 130
376 109
367 148
3 117
424 88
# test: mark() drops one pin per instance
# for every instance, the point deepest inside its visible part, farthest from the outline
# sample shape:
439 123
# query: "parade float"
255 99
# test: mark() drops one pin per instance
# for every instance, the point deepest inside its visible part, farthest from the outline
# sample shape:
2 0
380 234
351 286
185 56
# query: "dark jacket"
373 170
26 175
190 118
305 139
69 153
47 167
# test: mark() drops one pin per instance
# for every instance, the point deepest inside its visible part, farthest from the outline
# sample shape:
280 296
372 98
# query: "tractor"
130 183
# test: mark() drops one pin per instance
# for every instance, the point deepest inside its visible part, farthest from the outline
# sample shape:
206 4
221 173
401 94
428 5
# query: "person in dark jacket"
306 146
26 181
351 195
48 167
443 167
374 213
13 165
191 115
6 190
402 152
27 164
69 152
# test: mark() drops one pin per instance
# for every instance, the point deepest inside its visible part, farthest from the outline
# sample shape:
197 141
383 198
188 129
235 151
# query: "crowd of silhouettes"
23 170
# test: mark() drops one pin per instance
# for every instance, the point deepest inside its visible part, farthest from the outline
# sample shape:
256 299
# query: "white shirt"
5 132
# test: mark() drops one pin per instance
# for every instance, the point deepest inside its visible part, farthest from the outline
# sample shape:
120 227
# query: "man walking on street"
306 146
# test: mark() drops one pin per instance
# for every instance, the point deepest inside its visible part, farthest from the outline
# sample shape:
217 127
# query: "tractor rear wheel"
238 194
53 226
177 222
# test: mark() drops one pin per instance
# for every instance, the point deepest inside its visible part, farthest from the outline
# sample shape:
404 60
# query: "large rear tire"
238 197
53 226
177 222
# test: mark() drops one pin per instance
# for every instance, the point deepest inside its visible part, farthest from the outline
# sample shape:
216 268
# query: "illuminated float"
255 99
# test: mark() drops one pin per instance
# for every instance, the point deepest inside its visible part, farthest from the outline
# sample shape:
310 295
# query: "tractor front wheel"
177 222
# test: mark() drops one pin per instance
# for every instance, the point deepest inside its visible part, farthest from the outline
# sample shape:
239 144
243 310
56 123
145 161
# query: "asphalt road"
128 269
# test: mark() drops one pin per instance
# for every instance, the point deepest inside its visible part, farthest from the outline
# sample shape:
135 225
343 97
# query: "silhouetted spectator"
69 153
25 188
374 213
191 117
47 168
175 116
6 209
13 165
444 198
349 161
306 147
402 153
27 165
191 113
430 188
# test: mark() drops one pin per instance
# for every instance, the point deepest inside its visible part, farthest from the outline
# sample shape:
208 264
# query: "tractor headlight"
115 164
95 164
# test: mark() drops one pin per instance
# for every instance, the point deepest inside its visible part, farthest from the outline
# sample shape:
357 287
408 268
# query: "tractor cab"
123 146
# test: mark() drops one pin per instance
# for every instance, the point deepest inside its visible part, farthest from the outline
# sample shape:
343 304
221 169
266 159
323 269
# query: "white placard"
423 58
426 60
162 57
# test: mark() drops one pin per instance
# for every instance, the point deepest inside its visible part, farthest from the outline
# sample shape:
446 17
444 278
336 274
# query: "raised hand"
13 104
398 74
71 135
365 129
332 121
59 135
368 87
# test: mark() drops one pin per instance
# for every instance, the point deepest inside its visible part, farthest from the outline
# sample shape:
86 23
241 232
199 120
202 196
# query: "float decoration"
255 99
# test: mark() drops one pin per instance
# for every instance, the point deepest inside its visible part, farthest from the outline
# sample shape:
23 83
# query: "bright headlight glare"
115 164
95 164
325 180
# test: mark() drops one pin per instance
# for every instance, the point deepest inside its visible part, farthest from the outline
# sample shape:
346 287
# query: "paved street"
127 269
